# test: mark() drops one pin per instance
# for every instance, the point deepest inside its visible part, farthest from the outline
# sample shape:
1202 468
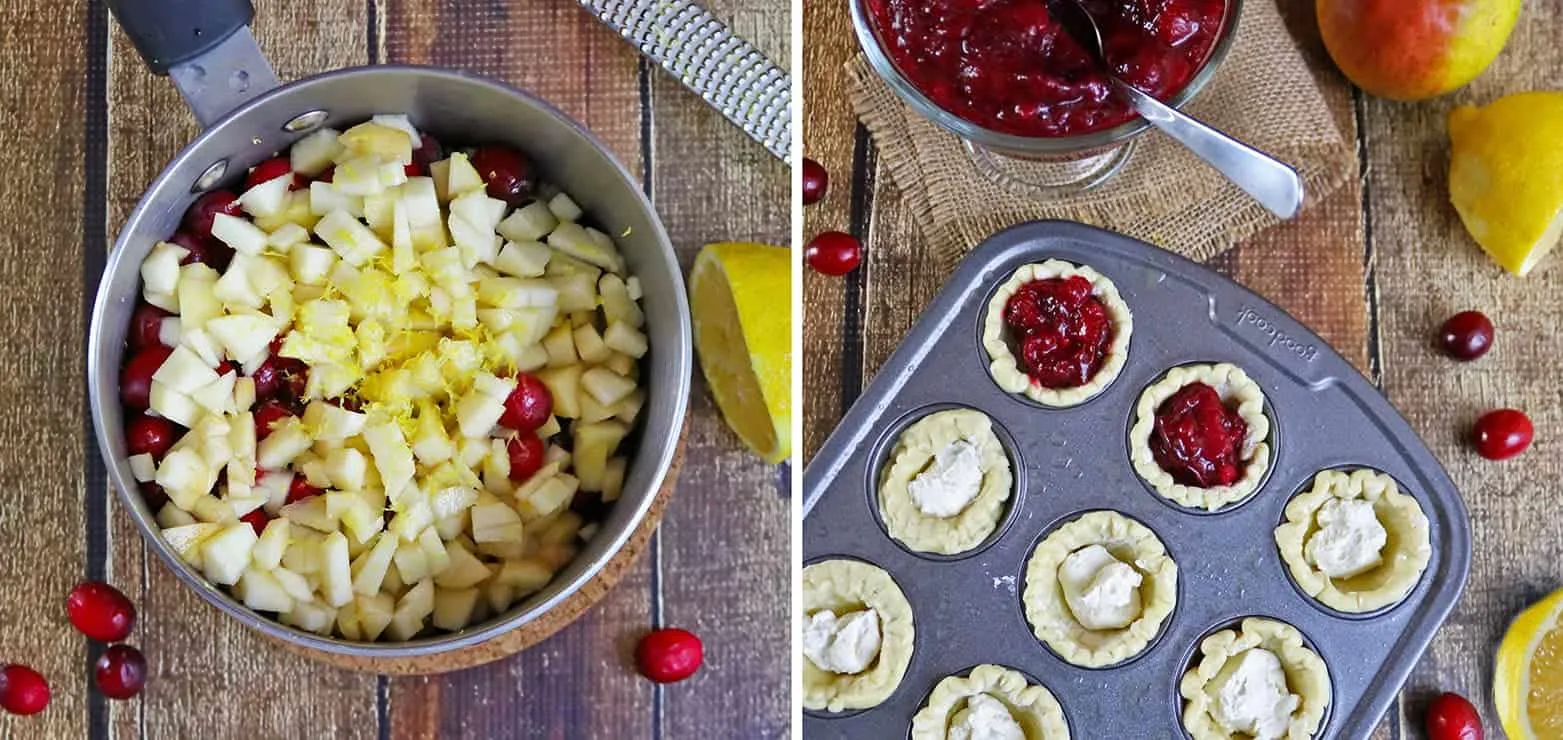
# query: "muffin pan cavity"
1070 461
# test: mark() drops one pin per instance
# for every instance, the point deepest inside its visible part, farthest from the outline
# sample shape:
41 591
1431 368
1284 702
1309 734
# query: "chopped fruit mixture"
1061 330
1008 66
22 690
100 611
1197 439
370 393
120 672
669 655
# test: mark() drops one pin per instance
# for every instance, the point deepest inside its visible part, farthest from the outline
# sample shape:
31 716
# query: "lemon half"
741 300
1527 680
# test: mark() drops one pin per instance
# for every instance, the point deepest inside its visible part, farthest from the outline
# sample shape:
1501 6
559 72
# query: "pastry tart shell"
1005 369
913 453
845 586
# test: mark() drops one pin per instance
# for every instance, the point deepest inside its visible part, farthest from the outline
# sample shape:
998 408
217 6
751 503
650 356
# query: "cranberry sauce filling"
1061 330
1197 439
1008 66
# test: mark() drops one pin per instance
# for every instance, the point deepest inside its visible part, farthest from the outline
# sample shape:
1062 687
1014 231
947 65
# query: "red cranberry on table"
1451 717
1466 335
1502 434
669 655
507 172
205 208
815 181
529 405
526 455
150 435
833 253
22 690
272 169
135 381
146 326
120 672
100 611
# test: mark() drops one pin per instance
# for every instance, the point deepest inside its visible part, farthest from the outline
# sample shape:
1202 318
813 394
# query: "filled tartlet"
1257 682
383 391
945 487
1199 436
990 702
856 635
1098 589
1353 541
1056 333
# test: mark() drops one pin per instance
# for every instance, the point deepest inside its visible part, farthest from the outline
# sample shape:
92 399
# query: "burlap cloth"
1263 94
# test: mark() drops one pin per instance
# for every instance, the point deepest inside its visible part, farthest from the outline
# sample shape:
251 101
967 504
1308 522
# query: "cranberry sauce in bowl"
1009 67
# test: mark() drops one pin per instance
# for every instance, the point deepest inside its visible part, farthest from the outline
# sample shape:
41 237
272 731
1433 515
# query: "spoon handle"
1271 182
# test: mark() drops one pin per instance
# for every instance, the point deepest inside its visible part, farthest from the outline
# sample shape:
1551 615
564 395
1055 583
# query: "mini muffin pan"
967 609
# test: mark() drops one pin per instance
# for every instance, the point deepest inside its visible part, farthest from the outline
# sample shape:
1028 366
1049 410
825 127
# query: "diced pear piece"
510 292
346 468
173 405
302 555
185 476
477 412
462 177
261 591
311 264
372 569
549 498
392 456
613 479
160 270
412 562
573 239
464 571
624 339
500 595
226 555
606 386
184 371
595 442
564 208
617 303
374 614
312 513
336 577
523 259
590 345
431 445
347 625
264 200
325 198
478 209
526 575
310 617
312 154
453 607
434 548
349 238
385 142
422 206
287 235
244 335
338 423
495 522
239 233
560 345
360 176
296 586
287 439
564 386
186 540
409 618
529 223
267 554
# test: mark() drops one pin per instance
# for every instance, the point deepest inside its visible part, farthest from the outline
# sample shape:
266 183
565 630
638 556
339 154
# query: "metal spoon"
1271 182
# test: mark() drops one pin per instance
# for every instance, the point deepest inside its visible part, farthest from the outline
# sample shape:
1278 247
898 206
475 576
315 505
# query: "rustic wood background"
90 128
1374 268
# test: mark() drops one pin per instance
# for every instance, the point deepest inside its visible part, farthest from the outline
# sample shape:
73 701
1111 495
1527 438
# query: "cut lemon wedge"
741 299
1506 176
1528 675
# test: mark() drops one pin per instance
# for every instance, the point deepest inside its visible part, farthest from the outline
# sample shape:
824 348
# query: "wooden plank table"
1373 268
92 128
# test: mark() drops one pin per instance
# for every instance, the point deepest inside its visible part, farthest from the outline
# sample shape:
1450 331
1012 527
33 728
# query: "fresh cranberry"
429 151
135 381
22 690
153 494
815 181
526 455
413 169
1451 717
281 377
833 253
1197 439
1502 434
225 367
507 172
257 519
268 413
529 405
100 611
300 489
146 326
669 655
1466 335
201 214
203 250
1062 330
272 169
121 671
326 174
150 435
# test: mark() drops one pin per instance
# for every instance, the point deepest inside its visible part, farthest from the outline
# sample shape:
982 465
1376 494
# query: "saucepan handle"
204 46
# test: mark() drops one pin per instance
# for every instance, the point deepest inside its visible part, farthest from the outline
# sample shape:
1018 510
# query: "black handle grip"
169 32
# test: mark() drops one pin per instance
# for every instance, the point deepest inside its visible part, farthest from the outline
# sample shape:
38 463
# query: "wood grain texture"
41 524
199 658
725 555
568 686
1428 268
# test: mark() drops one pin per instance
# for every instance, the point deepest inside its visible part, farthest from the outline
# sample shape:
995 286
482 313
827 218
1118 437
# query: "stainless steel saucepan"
206 48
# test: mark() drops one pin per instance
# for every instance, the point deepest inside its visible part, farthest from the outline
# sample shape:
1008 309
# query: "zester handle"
699 50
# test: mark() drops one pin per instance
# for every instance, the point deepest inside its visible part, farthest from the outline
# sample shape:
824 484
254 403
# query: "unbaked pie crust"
1005 368
914 452
846 586
1130 542
1033 707
1306 677
1404 557
1234 386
